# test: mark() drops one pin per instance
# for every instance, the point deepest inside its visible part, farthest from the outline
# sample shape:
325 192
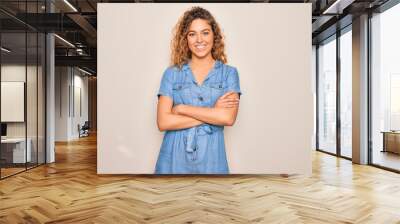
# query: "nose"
199 38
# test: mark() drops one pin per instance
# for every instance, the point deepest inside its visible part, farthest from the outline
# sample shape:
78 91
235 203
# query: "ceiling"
76 22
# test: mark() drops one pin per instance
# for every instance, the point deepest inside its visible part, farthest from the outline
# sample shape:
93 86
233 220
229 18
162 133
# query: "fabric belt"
192 146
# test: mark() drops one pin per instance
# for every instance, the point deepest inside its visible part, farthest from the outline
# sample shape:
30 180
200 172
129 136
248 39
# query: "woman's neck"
202 62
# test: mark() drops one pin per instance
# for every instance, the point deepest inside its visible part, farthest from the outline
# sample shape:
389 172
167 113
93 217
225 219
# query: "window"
327 96
346 93
385 88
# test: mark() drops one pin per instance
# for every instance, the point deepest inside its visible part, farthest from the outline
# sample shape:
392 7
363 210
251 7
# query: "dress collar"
186 68
217 64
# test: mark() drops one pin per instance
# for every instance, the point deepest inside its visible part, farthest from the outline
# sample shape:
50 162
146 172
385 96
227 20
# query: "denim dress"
200 149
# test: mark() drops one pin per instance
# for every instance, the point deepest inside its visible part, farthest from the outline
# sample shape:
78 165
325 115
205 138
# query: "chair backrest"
86 125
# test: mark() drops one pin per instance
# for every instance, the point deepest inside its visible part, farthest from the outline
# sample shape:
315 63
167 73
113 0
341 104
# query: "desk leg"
384 143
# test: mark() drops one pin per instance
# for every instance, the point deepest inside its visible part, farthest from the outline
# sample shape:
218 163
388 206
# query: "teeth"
200 46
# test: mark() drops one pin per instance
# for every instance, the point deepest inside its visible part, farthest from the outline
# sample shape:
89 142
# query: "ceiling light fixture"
5 50
84 71
79 51
70 5
337 7
64 40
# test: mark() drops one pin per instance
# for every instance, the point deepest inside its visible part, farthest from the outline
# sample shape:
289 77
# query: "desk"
391 141
15 148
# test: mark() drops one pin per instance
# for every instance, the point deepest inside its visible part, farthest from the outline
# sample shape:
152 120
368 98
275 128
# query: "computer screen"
3 129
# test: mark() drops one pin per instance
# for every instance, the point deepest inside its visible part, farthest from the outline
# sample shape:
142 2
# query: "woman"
198 96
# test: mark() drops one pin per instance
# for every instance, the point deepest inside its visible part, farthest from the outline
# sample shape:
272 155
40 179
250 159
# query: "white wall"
62 80
67 117
313 84
270 44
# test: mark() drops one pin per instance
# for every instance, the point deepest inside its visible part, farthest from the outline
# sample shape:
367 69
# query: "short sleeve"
166 84
233 83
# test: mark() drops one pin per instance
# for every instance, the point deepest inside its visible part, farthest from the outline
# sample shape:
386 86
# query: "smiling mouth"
200 47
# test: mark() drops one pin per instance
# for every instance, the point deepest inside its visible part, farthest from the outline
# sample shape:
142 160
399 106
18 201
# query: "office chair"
84 130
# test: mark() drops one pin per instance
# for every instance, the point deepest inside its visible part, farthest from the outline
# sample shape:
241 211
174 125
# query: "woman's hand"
166 120
177 109
225 102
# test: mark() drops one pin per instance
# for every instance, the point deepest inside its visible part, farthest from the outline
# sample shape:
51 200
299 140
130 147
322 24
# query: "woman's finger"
226 103
233 100
230 104
229 100
226 95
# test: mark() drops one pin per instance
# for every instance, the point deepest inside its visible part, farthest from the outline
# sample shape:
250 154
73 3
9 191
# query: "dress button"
200 98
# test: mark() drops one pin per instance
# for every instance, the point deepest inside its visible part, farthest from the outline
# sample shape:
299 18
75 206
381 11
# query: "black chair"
84 130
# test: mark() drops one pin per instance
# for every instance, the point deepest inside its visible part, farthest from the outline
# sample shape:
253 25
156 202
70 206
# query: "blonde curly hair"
180 52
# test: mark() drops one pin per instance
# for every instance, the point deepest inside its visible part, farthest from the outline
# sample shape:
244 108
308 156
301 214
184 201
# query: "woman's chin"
201 55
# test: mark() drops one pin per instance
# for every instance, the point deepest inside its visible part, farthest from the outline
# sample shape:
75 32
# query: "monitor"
3 129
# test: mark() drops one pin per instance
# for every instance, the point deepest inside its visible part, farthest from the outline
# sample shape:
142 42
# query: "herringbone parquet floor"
70 191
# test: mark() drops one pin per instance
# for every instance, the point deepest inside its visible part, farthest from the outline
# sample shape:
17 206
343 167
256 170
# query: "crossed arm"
182 116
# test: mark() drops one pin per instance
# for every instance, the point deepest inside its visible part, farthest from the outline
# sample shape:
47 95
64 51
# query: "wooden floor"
387 159
69 191
5 172
9 171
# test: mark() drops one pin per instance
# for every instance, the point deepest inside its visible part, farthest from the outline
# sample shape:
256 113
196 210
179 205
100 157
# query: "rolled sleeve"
233 83
166 84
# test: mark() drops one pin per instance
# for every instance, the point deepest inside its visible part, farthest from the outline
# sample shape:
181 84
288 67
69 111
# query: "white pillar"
50 92
360 90
50 99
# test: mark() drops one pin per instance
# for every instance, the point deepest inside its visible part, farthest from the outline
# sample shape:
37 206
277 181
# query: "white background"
270 44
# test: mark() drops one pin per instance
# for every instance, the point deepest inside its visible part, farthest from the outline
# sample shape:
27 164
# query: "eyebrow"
206 29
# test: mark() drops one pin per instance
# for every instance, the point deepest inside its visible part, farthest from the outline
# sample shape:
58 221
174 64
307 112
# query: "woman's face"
200 38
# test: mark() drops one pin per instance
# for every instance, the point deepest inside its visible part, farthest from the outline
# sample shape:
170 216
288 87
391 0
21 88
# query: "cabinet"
391 142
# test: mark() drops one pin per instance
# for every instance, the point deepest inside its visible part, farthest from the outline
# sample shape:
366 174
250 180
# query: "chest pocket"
216 89
182 93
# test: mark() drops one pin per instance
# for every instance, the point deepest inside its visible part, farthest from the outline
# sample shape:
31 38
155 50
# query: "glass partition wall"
22 77
334 89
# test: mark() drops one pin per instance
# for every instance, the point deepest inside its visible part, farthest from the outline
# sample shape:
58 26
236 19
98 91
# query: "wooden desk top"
13 140
390 132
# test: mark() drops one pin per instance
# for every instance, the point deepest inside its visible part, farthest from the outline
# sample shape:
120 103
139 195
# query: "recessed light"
84 71
5 50
64 40
70 5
